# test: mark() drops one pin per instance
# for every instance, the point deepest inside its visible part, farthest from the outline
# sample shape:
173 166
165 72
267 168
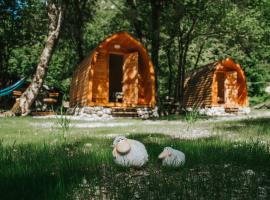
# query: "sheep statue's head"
127 152
120 146
171 157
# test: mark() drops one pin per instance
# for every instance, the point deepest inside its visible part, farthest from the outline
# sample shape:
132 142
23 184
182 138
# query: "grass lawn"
225 159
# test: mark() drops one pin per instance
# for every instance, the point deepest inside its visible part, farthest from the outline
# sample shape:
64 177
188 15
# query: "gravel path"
176 129
253 115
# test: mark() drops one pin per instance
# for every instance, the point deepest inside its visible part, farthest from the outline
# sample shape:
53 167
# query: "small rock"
99 113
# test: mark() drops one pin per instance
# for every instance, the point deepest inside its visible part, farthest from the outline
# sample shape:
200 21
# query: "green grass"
251 130
38 163
255 100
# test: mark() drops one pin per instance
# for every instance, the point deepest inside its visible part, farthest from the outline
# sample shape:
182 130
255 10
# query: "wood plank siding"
80 83
100 78
220 84
130 79
198 89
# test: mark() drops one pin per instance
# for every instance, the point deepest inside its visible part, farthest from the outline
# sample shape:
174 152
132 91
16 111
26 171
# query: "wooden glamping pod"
118 73
217 88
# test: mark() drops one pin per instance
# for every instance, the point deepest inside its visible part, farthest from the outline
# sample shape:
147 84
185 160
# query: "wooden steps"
42 113
124 112
232 110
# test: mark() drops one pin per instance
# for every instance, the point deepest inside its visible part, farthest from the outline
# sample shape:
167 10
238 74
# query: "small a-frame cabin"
217 86
118 72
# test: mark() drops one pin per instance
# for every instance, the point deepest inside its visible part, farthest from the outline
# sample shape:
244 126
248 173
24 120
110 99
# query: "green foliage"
21 31
255 100
239 30
64 122
192 116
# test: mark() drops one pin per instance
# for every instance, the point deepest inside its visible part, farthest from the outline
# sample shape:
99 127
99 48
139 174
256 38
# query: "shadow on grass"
214 169
258 126
180 117
263 121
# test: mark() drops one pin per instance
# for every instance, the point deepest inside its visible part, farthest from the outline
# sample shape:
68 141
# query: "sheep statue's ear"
114 153
123 147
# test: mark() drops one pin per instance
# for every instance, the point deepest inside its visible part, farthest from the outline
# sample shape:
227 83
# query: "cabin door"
130 79
115 77
100 88
220 87
231 90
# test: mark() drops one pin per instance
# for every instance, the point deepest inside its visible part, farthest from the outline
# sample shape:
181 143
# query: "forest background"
180 36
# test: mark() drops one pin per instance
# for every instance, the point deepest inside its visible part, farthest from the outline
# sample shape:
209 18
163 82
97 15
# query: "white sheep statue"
127 152
172 158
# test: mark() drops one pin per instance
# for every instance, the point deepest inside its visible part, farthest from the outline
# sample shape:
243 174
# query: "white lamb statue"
127 152
172 157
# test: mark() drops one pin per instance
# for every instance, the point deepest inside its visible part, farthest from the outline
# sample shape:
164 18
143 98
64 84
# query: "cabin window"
115 77
220 87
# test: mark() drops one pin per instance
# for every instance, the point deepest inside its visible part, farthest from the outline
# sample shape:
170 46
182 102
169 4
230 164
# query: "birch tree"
55 16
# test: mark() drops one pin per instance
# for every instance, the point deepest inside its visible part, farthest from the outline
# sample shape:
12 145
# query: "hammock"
11 88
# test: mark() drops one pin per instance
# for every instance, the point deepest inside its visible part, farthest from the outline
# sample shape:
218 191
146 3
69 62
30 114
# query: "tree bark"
2 69
55 15
155 43
179 68
184 60
78 32
200 52
184 40
168 53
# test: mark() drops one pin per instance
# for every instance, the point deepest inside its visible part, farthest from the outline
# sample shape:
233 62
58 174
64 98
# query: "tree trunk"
1 69
78 32
55 15
183 47
178 82
182 89
179 69
199 53
168 53
3 63
155 44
